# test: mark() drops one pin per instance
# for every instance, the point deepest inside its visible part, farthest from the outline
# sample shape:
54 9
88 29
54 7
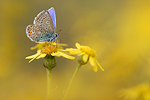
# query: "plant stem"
49 80
77 69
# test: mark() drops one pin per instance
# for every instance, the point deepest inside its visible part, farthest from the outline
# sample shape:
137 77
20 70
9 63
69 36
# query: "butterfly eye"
56 35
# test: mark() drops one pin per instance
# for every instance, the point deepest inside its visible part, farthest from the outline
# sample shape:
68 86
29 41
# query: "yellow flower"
46 48
139 92
87 54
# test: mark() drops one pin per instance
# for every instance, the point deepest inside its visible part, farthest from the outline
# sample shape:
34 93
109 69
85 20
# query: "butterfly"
43 28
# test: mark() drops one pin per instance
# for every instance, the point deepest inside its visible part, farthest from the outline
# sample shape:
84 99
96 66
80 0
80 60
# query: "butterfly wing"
37 34
51 11
44 21
44 28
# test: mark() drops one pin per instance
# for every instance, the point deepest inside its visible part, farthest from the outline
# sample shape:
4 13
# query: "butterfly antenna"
63 33
58 31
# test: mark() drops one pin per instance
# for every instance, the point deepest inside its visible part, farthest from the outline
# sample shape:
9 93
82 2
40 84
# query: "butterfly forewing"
51 11
44 21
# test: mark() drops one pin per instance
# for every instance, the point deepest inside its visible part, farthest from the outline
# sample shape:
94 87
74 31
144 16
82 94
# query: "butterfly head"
53 37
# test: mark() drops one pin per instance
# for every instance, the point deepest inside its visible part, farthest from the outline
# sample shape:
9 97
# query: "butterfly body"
43 28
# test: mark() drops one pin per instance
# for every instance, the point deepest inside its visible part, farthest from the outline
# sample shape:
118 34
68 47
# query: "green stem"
77 69
49 80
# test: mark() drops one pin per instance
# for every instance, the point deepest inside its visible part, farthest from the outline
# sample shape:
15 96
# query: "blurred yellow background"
118 30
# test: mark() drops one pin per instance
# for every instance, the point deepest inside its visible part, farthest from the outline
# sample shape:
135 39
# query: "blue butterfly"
43 28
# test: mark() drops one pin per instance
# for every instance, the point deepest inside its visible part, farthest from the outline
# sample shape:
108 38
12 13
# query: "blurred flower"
46 48
140 92
85 54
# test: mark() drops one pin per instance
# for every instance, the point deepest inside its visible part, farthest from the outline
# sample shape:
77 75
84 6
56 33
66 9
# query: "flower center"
88 50
49 49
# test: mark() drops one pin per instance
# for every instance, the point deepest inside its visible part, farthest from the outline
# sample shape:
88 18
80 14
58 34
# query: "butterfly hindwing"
37 34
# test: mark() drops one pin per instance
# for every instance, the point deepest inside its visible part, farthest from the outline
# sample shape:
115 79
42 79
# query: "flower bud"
80 60
49 62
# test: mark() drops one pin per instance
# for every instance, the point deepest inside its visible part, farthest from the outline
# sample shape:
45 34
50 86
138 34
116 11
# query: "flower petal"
33 56
77 45
38 46
93 63
30 57
85 57
41 56
73 51
58 54
81 54
99 65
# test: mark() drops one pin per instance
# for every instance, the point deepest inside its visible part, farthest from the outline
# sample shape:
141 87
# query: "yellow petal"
99 65
67 56
41 56
33 56
30 57
74 51
85 57
58 54
93 63
78 45
81 54
38 46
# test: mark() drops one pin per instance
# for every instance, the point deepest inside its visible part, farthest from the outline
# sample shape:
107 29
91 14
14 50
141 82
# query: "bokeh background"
118 30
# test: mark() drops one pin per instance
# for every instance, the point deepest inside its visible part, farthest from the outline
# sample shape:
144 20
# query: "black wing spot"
47 22
52 39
